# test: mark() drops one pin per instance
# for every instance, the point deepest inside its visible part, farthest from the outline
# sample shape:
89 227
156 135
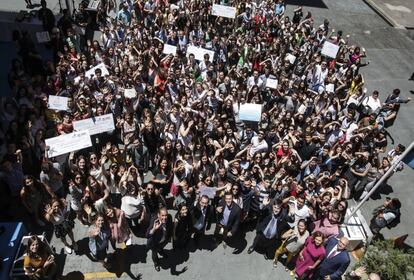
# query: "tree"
389 262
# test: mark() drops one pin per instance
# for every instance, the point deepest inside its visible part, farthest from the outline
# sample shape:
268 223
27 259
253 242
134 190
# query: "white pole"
380 181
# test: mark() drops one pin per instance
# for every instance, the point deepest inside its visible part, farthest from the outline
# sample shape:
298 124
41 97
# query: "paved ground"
391 53
399 13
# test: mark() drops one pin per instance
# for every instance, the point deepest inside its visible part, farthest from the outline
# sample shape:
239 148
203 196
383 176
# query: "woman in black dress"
182 227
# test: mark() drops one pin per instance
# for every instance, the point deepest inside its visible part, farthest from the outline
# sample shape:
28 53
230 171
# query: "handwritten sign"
67 143
91 72
199 53
223 11
250 112
291 58
93 5
271 83
42 37
95 125
330 88
169 49
210 192
329 49
59 103
130 93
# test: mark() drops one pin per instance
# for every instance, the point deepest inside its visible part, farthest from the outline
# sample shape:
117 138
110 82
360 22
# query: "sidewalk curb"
383 14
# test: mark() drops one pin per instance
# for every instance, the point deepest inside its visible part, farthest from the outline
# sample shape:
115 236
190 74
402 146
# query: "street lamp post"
381 180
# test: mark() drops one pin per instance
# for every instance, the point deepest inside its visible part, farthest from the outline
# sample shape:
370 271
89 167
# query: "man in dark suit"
159 234
228 218
336 260
271 227
201 216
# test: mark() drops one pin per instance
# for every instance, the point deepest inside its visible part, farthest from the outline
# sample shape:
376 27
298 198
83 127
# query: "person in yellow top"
38 263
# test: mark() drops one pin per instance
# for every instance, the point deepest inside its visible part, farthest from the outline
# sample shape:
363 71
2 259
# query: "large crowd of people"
180 142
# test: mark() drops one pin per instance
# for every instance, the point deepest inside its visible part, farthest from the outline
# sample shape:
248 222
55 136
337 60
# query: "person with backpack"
388 215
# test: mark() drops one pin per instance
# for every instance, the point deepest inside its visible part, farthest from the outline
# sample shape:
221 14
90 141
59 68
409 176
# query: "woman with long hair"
57 213
39 262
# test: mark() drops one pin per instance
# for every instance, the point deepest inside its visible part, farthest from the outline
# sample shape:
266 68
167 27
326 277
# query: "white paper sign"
223 11
271 83
130 93
112 14
91 72
95 125
291 58
42 37
67 143
329 49
250 112
210 192
58 103
330 88
199 53
169 49
93 5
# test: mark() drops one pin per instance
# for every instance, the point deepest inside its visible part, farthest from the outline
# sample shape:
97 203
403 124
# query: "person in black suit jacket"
228 218
159 234
270 228
201 217
336 260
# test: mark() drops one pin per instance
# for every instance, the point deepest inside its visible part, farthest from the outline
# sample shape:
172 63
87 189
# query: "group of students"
180 143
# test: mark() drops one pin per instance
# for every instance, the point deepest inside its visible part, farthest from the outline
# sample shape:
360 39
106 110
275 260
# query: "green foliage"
390 263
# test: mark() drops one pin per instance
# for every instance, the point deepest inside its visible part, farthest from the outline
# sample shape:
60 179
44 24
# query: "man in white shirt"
298 210
259 144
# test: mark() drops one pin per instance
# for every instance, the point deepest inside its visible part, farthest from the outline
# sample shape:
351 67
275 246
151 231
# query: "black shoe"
250 250
157 268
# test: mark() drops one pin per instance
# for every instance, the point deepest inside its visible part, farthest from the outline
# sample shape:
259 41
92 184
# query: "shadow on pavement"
384 190
74 275
175 258
307 3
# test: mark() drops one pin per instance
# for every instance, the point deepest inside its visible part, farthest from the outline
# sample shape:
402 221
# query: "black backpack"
396 220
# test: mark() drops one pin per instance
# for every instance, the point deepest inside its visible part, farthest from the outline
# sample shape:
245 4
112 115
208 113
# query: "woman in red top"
283 152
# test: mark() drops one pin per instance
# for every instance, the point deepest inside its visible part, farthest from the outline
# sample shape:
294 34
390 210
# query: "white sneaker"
68 250
75 246
40 223
128 242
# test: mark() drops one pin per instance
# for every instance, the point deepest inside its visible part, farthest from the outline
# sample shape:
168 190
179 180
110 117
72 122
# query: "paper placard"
330 88
329 49
112 14
291 58
223 11
95 125
271 83
169 49
59 103
210 192
199 53
91 72
43 37
130 93
67 143
250 112
93 5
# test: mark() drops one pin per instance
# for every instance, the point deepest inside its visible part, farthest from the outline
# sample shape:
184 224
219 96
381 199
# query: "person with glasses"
336 260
